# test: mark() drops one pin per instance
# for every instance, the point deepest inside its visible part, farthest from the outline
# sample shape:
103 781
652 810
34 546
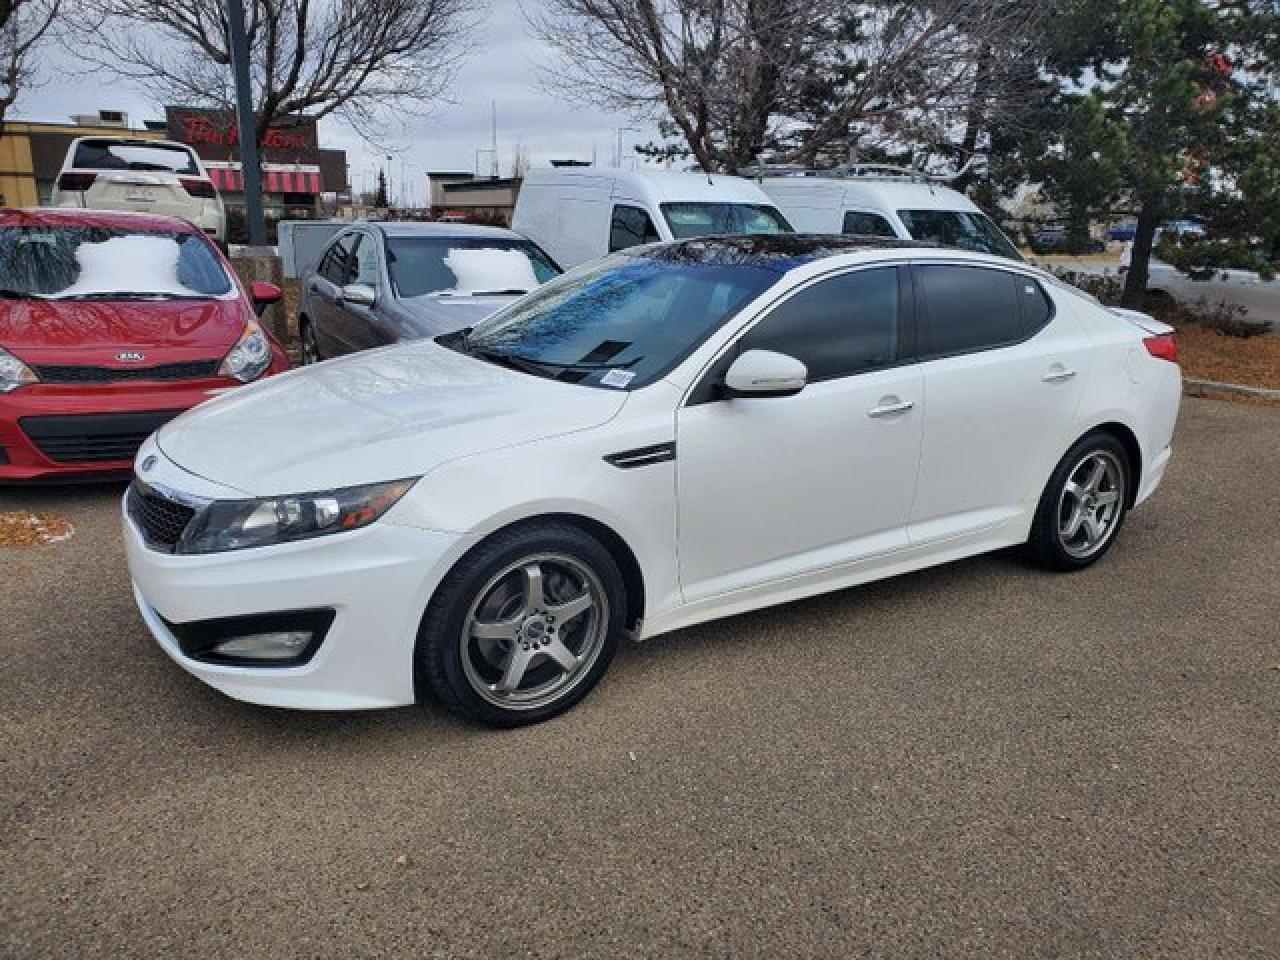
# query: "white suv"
149 176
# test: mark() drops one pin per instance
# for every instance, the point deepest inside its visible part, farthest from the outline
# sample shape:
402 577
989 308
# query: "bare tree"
23 25
356 60
795 80
716 69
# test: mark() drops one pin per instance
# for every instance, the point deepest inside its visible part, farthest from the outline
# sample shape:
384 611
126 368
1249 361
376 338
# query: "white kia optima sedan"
658 438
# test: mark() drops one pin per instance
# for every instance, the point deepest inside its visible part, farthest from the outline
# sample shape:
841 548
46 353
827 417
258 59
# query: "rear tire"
1083 506
524 626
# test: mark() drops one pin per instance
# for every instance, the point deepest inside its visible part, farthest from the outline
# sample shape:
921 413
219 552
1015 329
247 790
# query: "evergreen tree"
380 194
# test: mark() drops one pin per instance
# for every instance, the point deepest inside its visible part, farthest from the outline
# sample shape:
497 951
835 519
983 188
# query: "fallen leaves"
1207 355
22 529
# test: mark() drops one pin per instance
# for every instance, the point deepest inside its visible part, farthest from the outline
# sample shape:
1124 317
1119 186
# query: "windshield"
108 155
466 266
689 220
958 228
84 262
621 322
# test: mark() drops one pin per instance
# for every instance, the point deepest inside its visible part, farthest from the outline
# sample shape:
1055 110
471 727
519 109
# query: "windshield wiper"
135 295
7 294
513 291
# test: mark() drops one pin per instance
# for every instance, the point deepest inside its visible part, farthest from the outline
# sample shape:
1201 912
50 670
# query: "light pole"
617 156
390 190
249 165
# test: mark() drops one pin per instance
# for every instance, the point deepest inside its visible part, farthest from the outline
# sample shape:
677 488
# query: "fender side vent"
643 456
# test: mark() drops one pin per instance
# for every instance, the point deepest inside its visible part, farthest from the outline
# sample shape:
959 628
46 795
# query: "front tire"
524 626
1083 506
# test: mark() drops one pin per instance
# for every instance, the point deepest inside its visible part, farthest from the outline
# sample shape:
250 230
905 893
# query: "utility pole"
249 165
493 145
390 191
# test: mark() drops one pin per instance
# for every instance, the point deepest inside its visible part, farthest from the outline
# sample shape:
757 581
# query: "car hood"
372 416
79 332
436 315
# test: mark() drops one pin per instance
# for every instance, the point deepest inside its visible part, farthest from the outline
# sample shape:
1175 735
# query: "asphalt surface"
981 760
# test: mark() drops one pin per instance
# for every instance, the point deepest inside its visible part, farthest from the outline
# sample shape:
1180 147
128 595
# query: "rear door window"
968 308
865 224
114 155
630 227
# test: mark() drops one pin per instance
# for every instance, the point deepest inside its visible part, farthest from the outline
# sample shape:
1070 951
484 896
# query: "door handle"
1058 373
889 406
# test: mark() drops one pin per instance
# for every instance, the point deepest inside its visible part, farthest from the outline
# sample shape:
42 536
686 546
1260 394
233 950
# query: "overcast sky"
501 69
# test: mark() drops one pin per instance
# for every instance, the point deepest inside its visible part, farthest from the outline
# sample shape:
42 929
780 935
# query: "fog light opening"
272 645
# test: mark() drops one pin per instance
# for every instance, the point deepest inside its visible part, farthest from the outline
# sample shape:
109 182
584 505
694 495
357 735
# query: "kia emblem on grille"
147 463
129 356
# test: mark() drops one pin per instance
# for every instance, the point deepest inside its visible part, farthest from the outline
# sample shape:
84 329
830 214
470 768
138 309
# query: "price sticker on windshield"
617 378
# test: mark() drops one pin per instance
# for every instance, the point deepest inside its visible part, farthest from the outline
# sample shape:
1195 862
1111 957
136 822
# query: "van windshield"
690 220
107 263
620 322
958 228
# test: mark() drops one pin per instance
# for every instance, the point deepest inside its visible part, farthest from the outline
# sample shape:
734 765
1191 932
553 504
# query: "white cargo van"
885 202
577 214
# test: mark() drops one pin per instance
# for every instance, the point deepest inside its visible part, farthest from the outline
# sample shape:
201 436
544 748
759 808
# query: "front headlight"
14 373
237 524
250 357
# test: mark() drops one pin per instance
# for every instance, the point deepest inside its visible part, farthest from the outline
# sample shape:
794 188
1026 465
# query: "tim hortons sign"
217 128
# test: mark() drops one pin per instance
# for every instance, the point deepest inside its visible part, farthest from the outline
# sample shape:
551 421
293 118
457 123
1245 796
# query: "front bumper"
377 580
122 410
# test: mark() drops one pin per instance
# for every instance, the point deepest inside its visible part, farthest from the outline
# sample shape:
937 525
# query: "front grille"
161 520
196 370
95 437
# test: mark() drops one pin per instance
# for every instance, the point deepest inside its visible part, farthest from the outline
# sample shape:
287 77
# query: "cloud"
502 70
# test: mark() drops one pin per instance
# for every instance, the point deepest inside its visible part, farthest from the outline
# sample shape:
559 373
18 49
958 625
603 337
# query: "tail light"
198 188
1164 347
76 181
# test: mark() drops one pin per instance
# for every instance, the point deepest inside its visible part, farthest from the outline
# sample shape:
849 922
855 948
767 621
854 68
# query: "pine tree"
380 195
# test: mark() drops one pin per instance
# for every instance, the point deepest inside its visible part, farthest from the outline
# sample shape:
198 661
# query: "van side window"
629 227
867 224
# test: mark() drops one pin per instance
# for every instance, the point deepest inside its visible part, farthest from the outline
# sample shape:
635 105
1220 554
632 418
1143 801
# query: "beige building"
463 196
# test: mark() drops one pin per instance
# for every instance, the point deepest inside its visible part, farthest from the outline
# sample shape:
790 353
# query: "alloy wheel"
534 631
1091 504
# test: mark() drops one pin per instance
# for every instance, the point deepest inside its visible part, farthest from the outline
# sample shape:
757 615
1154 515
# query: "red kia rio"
110 325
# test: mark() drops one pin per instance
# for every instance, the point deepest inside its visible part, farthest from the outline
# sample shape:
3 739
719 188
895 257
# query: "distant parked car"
579 214
380 283
146 176
112 324
1123 232
1057 241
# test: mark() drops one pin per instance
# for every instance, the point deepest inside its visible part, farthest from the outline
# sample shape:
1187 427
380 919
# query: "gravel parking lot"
978 760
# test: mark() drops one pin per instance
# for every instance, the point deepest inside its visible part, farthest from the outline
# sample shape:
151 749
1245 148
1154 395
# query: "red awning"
231 180
227 179
291 181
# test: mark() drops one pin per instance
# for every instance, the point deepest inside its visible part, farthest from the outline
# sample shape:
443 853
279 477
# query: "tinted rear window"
106 155
968 309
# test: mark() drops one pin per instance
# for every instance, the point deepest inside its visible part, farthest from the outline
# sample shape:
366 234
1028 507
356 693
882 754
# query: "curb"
1200 387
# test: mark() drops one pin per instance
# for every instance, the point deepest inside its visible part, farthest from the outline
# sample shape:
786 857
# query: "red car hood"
79 332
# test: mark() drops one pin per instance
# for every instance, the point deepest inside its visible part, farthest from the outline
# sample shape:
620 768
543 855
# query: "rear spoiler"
1143 320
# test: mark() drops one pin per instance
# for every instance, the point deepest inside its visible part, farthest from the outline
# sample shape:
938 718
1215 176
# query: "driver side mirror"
764 373
359 294
263 295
